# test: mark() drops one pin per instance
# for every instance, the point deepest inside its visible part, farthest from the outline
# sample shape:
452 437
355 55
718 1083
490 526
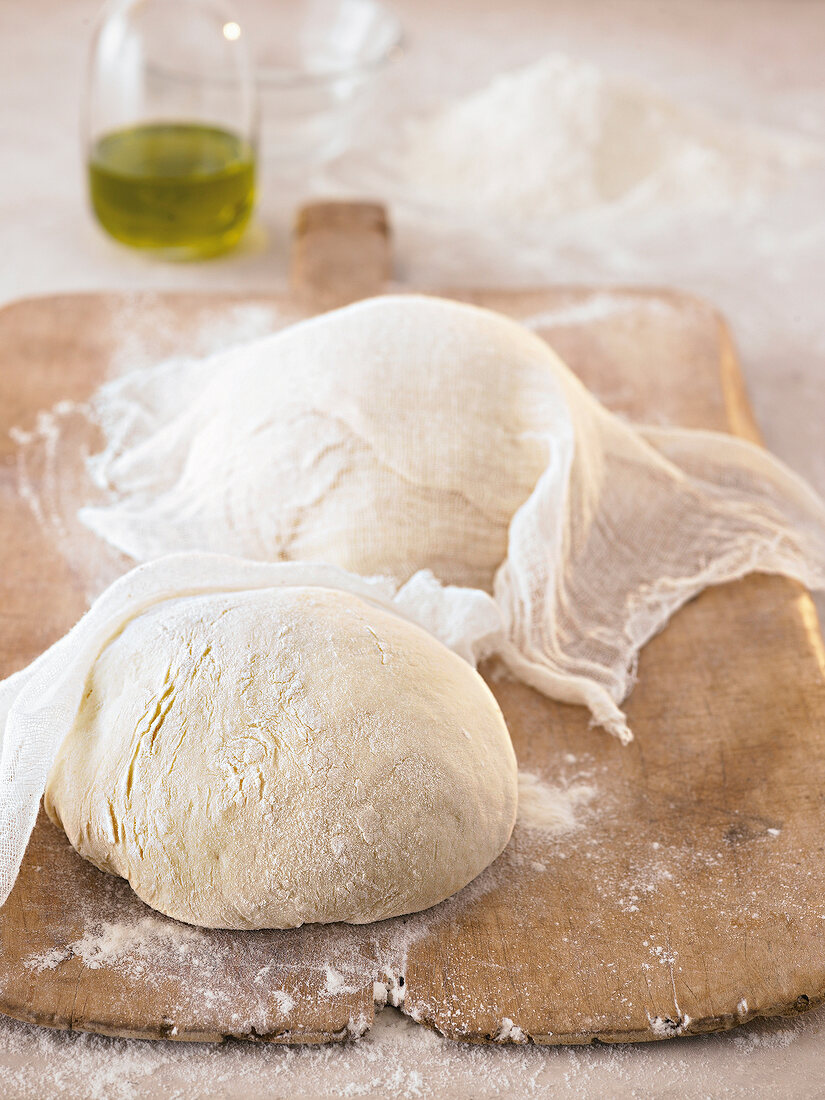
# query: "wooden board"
690 899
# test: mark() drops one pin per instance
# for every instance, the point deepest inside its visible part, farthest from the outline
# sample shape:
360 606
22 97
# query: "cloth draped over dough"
408 433
435 458
39 704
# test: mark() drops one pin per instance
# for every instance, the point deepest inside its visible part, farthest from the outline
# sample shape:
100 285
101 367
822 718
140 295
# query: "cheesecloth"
409 433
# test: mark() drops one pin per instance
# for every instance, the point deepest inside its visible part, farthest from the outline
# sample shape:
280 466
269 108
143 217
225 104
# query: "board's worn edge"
668 1027
171 1033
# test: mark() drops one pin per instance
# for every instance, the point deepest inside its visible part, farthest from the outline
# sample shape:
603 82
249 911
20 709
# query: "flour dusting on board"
187 966
136 945
279 979
137 348
603 306
551 809
58 456
335 981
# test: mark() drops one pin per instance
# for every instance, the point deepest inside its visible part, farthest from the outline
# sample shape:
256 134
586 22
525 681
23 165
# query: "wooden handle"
340 253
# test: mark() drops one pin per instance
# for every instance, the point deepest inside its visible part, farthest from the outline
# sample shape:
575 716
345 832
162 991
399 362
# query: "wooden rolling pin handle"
340 253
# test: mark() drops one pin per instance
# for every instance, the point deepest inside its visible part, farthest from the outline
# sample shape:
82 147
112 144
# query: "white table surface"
749 60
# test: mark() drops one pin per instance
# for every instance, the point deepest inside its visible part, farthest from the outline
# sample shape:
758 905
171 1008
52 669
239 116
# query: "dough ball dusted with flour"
266 758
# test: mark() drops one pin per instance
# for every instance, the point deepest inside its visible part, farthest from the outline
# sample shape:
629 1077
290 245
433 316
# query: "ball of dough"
288 755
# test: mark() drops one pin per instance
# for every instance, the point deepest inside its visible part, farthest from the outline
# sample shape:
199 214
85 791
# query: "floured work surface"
688 893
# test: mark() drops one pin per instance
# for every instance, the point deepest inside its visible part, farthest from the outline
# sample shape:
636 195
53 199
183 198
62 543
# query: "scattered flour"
550 809
335 981
509 1032
223 328
604 306
57 459
283 1000
358 1026
110 944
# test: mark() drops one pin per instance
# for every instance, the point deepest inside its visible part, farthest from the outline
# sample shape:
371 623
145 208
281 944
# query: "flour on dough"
266 758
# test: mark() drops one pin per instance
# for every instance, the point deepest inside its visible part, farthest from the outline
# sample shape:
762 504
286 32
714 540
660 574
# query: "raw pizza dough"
267 758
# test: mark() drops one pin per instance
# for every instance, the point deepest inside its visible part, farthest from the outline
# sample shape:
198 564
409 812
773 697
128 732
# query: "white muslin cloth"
409 433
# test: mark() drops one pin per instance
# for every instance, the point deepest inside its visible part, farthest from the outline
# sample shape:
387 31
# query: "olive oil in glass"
170 122
180 187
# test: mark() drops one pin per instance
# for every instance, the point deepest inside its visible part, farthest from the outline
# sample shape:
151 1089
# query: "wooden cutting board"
689 898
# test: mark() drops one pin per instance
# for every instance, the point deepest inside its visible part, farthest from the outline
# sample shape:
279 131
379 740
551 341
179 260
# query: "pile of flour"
561 136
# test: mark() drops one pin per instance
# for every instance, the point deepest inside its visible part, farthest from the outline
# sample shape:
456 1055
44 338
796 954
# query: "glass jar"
170 126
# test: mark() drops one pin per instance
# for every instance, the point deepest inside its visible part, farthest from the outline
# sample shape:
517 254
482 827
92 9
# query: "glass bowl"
315 61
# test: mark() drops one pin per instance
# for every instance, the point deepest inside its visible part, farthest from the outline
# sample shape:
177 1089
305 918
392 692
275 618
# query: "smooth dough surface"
268 758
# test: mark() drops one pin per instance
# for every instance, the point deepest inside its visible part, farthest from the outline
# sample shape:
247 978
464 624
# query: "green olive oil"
183 188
